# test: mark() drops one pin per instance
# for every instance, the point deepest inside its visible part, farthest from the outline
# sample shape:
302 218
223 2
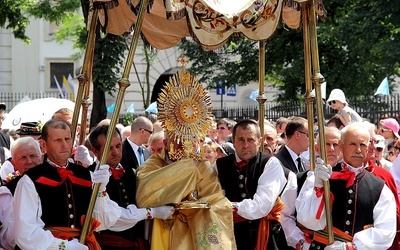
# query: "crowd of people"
235 188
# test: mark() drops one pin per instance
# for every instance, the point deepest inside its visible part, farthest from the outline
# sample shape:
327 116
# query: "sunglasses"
379 149
302 132
150 132
332 102
391 153
221 128
384 130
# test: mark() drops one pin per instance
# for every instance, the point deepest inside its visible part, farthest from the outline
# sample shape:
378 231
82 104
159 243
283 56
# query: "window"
60 69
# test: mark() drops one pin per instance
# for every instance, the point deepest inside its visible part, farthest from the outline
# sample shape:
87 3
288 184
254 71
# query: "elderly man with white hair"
363 207
26 154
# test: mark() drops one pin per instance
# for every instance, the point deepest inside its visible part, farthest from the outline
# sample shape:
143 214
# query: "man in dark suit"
141 129
297 142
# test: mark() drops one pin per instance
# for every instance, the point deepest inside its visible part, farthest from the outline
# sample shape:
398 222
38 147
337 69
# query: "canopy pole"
85 76
261 98
123 83
308 96
318 80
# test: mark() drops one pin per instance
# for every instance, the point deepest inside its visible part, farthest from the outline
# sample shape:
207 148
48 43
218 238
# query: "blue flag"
152 108
383 88
111 108
254 94
131 108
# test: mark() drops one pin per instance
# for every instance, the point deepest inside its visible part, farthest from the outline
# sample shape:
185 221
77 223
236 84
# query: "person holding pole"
253 182
52 198
122 189
363 207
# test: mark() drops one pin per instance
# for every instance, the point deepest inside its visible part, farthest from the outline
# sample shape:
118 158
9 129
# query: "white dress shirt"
29 228
270 185
293 234
380 236
7 218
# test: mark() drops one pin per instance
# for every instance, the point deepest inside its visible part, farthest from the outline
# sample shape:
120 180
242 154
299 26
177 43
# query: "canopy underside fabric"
209 22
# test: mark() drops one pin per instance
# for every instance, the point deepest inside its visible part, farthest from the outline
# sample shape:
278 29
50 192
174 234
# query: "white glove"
337 245
102 175
82 155
75 245
162 212
322 173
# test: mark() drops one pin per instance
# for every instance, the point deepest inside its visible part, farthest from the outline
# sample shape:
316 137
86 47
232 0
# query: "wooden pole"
261 98
85 75
318 79
123 83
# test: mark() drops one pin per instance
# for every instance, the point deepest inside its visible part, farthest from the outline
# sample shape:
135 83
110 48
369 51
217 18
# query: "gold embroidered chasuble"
160 183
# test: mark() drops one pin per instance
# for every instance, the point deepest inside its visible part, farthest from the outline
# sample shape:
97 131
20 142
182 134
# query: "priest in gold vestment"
178 176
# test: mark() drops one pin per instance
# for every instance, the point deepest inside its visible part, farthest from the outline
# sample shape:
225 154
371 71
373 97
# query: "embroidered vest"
62 205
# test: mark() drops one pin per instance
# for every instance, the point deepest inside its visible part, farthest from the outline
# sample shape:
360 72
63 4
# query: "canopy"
212 22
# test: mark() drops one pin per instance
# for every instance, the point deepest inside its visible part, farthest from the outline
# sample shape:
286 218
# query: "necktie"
300 165
117 173
240 164
141 157
345 174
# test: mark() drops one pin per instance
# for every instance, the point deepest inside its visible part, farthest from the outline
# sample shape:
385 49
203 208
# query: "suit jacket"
129 159
286 159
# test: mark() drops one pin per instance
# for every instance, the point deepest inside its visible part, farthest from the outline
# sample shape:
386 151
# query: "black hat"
29 128
3 106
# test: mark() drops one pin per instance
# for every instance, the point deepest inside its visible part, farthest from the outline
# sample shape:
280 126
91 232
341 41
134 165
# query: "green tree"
358 47
109 49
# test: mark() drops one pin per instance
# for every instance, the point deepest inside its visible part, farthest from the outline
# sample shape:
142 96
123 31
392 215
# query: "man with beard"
363 207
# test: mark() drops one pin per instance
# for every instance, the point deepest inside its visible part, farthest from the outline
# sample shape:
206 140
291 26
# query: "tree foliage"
109 49
358 47
12 17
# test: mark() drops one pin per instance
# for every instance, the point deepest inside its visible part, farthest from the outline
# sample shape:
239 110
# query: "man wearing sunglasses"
224 129
297 143
134 152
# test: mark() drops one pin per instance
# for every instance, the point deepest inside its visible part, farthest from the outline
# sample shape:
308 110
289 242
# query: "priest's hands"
322 173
